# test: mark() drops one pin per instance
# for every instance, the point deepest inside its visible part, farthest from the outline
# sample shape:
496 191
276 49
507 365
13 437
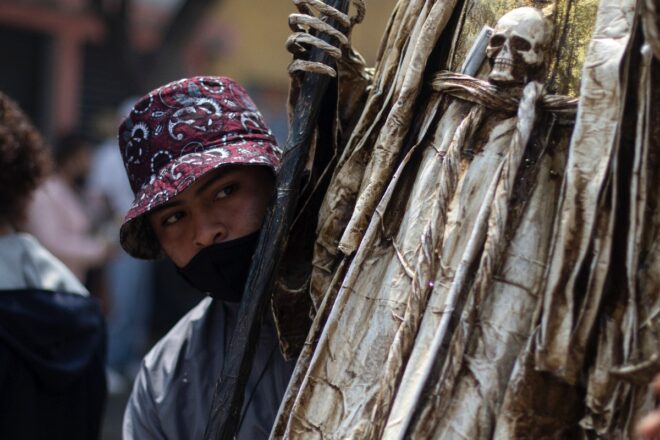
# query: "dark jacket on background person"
52 342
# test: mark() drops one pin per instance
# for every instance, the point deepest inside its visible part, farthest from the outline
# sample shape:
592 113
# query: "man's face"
223 205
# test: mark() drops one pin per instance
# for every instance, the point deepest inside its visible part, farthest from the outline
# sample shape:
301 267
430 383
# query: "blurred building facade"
248 44
255 33
41 44
69 59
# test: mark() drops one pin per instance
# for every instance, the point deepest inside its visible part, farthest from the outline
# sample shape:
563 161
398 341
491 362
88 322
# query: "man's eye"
226 191
171 219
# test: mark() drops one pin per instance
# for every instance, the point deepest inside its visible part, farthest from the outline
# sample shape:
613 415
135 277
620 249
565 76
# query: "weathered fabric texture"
293 307
487 263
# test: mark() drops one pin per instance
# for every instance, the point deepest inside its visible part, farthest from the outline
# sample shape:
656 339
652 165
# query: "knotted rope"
482 92
307 27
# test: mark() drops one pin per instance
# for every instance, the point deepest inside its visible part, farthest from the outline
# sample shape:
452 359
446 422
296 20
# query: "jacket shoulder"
184 341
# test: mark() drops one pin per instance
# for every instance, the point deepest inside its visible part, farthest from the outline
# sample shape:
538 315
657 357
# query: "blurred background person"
52 339
129 280
56 216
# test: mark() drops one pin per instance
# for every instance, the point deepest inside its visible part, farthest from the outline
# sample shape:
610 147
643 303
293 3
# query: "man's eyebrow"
175 203
211 181
170 204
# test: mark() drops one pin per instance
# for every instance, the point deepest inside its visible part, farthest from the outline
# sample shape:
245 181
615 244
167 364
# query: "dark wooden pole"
230 387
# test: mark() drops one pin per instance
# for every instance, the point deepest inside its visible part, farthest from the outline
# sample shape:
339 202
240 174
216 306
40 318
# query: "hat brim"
136 236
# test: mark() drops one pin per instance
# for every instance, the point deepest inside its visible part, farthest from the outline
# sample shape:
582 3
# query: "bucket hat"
178 133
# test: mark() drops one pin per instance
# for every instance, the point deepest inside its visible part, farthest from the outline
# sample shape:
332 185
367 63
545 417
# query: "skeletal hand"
308 29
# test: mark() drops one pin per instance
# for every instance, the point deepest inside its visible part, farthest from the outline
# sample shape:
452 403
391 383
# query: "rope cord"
496 242
482 92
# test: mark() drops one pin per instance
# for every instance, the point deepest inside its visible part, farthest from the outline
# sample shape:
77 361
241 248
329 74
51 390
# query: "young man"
202 165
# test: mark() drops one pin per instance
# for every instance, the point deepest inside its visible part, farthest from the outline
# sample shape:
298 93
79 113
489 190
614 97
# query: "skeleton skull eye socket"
520 44
497 40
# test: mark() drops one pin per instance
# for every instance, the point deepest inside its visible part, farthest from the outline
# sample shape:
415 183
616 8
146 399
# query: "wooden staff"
230 387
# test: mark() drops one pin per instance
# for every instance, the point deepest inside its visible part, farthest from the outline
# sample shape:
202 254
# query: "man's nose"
208 232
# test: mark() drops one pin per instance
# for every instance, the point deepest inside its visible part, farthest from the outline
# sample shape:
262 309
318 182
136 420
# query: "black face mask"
222 269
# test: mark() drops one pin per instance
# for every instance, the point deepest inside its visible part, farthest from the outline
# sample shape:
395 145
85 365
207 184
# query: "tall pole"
230 387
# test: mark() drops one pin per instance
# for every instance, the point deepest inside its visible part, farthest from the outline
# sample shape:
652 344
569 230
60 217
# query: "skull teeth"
503 63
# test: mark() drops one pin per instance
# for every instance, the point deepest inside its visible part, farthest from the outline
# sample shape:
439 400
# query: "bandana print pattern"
181 131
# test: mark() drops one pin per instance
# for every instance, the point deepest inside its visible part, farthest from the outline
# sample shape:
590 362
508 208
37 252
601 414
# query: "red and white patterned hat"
178 133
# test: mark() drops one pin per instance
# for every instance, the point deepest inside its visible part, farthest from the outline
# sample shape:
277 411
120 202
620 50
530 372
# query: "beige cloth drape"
480 273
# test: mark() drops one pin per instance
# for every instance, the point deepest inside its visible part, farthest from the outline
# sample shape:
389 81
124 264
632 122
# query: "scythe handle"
229 388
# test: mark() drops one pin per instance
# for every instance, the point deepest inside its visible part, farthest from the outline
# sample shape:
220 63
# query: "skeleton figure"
517 49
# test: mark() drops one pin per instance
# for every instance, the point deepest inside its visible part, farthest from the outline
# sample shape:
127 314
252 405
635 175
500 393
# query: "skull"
517 49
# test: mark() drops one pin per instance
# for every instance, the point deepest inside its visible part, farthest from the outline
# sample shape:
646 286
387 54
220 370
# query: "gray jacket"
172 393
26 264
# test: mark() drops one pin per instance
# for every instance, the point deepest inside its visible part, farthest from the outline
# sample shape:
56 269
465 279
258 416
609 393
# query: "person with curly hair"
52 340
24 159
